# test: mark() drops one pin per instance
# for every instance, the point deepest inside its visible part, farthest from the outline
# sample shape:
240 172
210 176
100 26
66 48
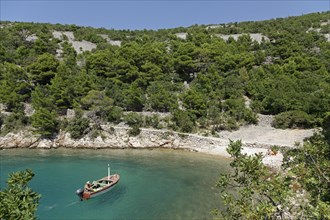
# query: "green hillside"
202 79
200 75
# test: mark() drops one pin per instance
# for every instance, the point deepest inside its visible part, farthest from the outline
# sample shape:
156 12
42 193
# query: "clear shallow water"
154 184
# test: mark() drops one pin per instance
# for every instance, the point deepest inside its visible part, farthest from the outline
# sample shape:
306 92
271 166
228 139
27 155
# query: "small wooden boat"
98 187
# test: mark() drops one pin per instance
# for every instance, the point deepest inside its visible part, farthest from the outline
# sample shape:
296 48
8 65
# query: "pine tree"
18 201
45 122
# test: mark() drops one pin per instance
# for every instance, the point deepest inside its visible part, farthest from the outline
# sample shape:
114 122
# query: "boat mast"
108 172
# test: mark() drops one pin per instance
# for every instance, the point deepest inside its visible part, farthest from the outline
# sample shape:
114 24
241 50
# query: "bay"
154 184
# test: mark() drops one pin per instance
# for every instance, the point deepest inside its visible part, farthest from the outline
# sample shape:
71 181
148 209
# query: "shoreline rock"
118 138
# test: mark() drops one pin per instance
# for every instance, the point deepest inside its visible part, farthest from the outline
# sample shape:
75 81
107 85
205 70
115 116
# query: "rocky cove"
255 139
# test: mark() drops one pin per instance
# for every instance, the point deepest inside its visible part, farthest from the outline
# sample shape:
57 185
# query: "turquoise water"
154 184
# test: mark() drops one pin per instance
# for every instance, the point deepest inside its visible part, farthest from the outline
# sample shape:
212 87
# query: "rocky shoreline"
118 138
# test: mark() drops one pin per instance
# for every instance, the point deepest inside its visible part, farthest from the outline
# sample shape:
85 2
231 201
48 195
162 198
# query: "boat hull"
108 183
102 192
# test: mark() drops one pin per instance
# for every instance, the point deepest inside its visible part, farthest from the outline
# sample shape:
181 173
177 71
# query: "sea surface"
154 184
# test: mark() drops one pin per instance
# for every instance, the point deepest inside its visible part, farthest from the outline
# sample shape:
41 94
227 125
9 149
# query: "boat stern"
79 193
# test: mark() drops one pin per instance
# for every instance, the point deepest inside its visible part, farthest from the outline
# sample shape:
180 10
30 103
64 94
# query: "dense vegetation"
201 80
201 83
18 201
300 190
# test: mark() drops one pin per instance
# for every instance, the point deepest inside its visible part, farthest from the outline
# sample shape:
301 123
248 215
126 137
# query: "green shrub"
152 121
78 127
256 106
115 114
326 126
225 122
45 122
133 118
95 133
167 134
18 200
294 119
112 130
236 109
275 149
184 121
63 124
250 117
13 122
134 131
203 122
230 124
183 136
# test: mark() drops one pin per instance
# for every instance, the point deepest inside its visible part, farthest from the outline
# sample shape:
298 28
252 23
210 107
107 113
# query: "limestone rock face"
45 143
118 137
21 139
2 108
109 138
28 109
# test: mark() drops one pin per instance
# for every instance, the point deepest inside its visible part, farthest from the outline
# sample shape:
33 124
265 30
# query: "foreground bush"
18 201
254 191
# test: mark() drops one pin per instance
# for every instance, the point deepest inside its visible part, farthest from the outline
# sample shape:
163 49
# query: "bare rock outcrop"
109 41
79 46
182 36
118 137
21 139
258 37
114 137
255 139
